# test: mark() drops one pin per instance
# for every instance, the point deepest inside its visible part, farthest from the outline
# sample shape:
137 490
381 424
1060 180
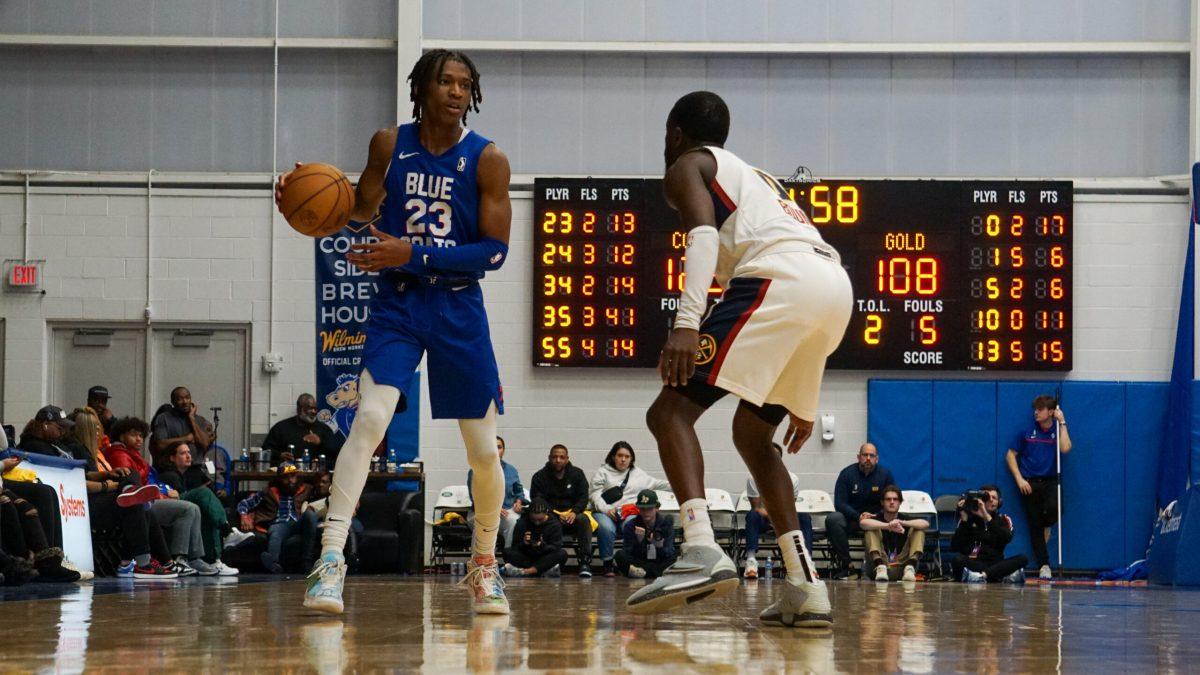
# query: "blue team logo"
343 404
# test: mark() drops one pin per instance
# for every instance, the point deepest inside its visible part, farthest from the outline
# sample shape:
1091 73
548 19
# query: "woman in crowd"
43 435
615 485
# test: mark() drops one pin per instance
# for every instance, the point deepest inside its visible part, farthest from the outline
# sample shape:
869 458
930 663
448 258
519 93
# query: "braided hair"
428 67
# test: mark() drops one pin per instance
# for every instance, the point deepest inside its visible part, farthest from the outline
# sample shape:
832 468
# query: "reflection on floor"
423 624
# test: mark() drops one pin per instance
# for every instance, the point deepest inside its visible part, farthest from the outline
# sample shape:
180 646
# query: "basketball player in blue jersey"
444 218
785 306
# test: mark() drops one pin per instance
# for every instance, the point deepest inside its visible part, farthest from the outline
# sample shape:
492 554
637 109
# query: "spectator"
193 484
894 545
648 540
615 485
180 424
537 544
980 538
289 438
44 435
3 438
757 519
276 513
97 399
855 494
22 535
1034 466
514 496
565 488
313 515
115 498
14 570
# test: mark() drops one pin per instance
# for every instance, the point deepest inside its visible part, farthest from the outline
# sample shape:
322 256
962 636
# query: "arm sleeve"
484 255
703 246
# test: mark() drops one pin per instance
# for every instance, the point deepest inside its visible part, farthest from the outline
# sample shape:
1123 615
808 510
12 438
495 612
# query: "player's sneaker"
700 572
910 573
325 583
970 577
751 571
1017 577
1045 573
805 604
486 587
881 573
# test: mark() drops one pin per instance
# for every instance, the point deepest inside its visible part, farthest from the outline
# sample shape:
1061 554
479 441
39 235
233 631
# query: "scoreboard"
947 275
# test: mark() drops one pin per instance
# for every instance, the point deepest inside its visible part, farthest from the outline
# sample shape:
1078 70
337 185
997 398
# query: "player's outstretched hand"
389 251
798 432
677 361
283 181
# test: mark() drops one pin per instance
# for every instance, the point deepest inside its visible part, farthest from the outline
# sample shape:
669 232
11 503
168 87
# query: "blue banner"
344 295
1177 451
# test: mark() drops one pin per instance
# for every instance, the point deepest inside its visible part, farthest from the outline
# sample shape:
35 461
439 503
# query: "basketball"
317 200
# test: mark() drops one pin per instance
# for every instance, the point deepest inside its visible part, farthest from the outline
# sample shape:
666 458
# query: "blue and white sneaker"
486 587
700 572
125 570
1017 577
969 577
325 582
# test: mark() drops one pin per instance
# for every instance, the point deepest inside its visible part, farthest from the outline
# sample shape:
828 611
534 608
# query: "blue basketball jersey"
433 200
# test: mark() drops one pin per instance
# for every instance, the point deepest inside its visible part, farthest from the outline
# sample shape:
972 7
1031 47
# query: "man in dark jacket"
565 488
648 538
979 542
289 438
537 544
855 496
276 511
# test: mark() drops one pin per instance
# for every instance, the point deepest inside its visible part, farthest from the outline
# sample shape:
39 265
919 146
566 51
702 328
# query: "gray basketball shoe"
805 605
700 572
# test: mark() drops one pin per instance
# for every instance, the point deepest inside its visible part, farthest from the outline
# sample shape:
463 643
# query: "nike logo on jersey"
406 155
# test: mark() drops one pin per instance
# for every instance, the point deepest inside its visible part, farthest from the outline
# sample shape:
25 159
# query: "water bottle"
322 465
244 462
768 567
392 461
306 461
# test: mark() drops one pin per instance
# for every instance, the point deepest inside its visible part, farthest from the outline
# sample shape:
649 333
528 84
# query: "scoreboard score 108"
947 275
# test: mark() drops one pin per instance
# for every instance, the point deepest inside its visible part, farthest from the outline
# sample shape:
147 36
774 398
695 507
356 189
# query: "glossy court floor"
422 624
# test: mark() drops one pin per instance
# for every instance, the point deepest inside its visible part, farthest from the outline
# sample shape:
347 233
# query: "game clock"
947 275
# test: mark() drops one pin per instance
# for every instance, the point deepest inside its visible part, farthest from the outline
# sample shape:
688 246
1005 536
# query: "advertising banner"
67 479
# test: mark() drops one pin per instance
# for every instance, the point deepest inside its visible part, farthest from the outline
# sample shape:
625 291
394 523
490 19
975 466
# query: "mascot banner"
344 295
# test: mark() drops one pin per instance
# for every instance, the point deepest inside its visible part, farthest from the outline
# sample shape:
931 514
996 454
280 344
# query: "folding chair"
918 503
947 523
451 538
817 504
722 514
669 506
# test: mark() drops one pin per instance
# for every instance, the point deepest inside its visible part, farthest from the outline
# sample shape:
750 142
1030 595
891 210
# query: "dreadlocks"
429 67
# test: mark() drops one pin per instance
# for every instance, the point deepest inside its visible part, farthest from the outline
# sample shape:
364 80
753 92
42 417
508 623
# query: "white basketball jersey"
755 216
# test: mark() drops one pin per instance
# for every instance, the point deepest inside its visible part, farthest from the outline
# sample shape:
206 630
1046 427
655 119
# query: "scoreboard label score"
947 275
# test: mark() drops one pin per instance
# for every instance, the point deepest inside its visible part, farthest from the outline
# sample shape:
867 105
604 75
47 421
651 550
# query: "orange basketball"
317 200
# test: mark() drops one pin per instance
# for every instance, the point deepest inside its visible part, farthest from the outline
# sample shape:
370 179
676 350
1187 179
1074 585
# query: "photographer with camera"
894 545
980 538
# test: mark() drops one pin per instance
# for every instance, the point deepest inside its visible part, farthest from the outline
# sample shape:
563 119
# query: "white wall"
212 263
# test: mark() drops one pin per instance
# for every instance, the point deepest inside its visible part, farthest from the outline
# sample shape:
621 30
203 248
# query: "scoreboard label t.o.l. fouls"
948 275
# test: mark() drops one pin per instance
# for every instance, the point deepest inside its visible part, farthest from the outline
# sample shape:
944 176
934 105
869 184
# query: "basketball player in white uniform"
785 306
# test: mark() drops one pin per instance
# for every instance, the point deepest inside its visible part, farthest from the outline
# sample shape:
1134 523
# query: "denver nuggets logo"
706 350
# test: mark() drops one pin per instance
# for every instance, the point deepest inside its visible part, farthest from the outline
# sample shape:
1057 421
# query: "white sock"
795 557
697 528
376 405
487 479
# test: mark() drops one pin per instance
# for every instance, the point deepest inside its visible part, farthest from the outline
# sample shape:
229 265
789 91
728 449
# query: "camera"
973 500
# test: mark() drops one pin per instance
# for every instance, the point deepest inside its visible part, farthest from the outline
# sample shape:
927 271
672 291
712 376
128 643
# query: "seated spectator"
648 540
180 424
288 439
275 512
856 493
116 499
192 483
514 496
4 444
616 484
979 542
757 519
314 514
537 544
894 545
565 489
22 535
44 435
14 570
97 399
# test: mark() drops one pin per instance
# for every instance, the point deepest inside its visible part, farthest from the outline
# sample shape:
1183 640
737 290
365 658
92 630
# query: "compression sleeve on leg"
487 479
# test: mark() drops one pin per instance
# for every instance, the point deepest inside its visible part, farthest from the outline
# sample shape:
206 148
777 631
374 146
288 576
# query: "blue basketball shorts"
451 326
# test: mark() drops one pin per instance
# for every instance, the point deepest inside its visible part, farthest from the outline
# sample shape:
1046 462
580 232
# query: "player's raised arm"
371 191
685 185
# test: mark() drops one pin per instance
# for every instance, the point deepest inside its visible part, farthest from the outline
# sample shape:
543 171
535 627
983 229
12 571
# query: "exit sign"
23 275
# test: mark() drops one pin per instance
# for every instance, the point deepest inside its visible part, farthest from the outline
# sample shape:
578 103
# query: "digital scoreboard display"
947 275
